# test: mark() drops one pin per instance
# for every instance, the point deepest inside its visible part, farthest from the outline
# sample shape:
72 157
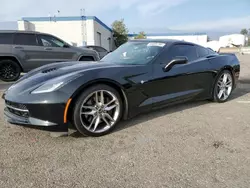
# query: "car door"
26 47
6 41
54 49
183 81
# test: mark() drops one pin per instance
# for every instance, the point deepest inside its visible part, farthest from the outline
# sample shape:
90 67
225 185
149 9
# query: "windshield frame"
141 41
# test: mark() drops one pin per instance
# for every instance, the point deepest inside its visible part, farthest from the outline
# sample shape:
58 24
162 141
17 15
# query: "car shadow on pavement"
142 118
242 88
57 128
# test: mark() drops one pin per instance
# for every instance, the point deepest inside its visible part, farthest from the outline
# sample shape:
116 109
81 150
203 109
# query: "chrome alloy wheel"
225 85
99 111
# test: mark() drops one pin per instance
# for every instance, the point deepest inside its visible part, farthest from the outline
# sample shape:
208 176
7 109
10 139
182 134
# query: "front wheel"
97 110
223 86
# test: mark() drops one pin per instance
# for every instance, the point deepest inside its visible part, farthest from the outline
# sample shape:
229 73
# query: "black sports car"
139 76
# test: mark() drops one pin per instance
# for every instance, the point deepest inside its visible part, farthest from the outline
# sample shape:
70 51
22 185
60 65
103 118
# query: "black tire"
9 70
86 59
79 102
215 97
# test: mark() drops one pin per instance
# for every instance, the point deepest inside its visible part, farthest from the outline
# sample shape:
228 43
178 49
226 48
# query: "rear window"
25 39
6 38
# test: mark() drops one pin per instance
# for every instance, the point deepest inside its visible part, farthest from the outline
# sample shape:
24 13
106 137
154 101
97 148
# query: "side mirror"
66 46
177 60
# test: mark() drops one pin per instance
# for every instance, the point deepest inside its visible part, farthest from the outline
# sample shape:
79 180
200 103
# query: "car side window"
50 41
25 39
211 52
202 52
186 50
6 38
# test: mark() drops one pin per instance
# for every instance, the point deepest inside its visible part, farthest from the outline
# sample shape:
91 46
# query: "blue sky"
148 15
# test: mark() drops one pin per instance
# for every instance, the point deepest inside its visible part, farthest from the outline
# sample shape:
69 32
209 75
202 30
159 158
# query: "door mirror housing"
175 61
66 45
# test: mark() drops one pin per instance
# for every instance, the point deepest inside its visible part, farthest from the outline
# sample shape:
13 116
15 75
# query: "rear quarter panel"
226 61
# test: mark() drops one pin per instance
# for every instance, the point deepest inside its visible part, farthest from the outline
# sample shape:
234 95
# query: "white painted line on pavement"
244 102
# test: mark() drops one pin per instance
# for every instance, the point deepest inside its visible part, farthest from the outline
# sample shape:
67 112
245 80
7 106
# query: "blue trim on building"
68 18
168 34
99 21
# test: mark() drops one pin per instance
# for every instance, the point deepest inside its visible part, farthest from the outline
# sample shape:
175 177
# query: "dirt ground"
198 144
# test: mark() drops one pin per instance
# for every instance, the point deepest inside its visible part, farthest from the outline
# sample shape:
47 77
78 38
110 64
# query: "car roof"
20 31
169 41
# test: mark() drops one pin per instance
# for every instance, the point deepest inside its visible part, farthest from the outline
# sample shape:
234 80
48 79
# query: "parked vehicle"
100 50
139 76
22 51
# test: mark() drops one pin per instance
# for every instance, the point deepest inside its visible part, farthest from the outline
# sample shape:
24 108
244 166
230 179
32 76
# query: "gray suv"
22 51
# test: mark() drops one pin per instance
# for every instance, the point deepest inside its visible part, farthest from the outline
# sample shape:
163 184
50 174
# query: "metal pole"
83 25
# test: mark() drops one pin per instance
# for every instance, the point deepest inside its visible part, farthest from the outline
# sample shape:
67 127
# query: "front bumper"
15 119
33 113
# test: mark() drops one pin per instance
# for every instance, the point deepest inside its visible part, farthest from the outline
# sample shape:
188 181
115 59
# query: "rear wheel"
223 86
9 70
97 110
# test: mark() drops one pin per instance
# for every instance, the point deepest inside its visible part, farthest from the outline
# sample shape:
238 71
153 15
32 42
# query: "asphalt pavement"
198 144
4 85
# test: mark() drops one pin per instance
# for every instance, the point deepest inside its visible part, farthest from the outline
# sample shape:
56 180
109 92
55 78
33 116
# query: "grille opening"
49 70
16 105
17 109
19 113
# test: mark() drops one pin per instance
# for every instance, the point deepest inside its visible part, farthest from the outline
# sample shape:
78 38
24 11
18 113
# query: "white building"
77 30
232 40
214 45
197 38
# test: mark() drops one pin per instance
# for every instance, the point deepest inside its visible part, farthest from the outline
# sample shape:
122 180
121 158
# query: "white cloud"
156 7
28 8
229 23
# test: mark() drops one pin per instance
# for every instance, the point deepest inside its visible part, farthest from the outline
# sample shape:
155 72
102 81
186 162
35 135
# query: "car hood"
82 49
42 74
85 51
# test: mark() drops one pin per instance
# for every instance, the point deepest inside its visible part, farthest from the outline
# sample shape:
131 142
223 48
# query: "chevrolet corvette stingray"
139 76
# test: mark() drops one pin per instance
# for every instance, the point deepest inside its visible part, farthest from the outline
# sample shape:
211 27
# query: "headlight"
55 83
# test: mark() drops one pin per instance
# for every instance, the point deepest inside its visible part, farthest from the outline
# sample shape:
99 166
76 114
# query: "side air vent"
48 70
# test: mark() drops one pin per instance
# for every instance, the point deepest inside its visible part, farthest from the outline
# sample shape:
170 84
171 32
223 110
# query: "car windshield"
134 53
